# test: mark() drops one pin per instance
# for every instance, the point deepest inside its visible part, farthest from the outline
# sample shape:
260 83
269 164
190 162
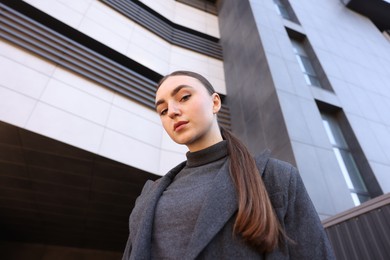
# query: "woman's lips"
179 125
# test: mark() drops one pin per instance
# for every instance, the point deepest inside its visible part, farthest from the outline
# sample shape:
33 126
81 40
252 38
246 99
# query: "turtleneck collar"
207 155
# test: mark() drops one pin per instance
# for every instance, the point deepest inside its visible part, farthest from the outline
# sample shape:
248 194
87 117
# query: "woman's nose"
173 110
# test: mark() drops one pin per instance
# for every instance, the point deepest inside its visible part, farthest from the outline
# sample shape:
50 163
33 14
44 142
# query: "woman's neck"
213 136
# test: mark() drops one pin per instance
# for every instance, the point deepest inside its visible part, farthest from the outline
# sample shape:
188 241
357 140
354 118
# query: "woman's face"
188 112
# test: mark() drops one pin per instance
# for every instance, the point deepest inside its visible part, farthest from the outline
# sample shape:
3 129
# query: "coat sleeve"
135 212
302 224
127 252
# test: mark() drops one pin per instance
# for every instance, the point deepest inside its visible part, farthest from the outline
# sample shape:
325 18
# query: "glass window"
345 160
282 9
305 64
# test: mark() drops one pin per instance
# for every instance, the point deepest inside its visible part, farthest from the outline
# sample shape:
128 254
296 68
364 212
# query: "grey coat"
213 238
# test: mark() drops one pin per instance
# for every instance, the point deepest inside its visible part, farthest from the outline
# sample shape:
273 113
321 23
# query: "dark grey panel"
256 115
54 193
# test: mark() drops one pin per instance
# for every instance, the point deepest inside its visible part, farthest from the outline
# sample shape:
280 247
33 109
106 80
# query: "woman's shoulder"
266 163
276 174
279 167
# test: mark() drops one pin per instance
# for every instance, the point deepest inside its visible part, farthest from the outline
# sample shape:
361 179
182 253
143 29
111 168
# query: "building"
79 135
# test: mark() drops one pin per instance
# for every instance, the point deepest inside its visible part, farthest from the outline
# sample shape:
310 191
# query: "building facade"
79 134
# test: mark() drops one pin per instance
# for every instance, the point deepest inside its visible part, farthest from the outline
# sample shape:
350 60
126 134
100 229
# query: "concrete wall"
314 156
355 58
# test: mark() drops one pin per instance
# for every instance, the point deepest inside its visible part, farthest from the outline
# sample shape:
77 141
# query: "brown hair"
256 221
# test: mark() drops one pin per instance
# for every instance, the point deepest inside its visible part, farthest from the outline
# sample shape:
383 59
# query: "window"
345 160
284 9
281 9
305 64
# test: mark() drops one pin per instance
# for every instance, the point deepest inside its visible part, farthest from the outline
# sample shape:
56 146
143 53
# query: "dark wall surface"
256 115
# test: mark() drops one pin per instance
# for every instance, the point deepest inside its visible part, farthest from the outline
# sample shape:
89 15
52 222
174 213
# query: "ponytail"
256 221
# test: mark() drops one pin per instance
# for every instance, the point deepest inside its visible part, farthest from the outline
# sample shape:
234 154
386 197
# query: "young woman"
221 203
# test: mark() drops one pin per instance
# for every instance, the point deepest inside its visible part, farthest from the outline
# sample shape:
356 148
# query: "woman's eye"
163 112
185 97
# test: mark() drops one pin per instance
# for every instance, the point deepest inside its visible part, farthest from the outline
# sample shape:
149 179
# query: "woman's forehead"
178 80
174 81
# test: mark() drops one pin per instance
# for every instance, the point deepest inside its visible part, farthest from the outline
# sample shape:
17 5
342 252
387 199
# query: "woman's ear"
216 103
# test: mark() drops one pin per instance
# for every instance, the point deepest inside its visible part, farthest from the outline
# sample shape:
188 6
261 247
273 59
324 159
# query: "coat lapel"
218 207
142 240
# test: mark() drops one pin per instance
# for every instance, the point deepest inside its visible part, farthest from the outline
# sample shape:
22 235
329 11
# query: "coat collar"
218 207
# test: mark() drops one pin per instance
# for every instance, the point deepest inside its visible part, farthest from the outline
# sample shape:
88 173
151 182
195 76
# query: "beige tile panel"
15 108
18 77
63 126
129 151
135 126
83 84
128 105
74 101
62 11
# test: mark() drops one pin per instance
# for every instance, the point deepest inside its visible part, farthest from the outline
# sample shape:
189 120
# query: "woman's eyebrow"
173 93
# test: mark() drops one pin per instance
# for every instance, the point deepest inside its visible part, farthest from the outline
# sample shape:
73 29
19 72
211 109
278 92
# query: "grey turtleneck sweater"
177 210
